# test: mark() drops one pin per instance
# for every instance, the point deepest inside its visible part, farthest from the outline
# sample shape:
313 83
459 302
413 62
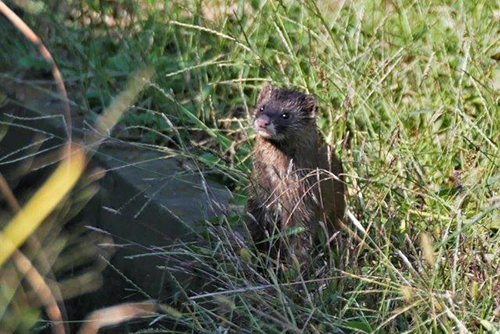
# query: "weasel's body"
296 179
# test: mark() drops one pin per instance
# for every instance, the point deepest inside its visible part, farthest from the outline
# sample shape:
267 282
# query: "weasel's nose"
262 121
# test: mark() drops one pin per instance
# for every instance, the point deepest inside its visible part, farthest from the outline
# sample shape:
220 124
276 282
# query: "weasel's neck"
302 149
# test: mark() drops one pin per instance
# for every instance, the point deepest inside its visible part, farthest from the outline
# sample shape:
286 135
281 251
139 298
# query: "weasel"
296 181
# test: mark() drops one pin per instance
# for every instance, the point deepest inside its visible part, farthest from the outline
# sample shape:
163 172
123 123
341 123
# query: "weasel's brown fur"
296 179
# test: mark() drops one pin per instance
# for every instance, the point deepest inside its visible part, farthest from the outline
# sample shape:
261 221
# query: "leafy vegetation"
409 95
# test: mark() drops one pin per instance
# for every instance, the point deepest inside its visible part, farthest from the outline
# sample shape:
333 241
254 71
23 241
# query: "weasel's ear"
265 93
310 105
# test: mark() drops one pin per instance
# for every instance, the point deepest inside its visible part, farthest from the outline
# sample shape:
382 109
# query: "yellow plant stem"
45 200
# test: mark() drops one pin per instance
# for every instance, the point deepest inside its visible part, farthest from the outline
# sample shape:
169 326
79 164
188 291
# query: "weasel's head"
280 113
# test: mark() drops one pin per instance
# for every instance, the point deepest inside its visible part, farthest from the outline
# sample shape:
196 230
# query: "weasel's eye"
261 109
285 115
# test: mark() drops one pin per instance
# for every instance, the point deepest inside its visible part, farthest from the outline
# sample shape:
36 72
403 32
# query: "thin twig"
41 289
8 195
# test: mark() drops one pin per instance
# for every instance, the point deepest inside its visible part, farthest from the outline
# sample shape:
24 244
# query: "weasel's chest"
286 186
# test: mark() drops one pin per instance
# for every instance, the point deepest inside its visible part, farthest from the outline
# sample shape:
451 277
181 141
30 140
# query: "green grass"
409 96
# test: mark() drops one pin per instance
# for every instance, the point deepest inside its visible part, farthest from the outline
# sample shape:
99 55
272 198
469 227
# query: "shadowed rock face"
146 203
